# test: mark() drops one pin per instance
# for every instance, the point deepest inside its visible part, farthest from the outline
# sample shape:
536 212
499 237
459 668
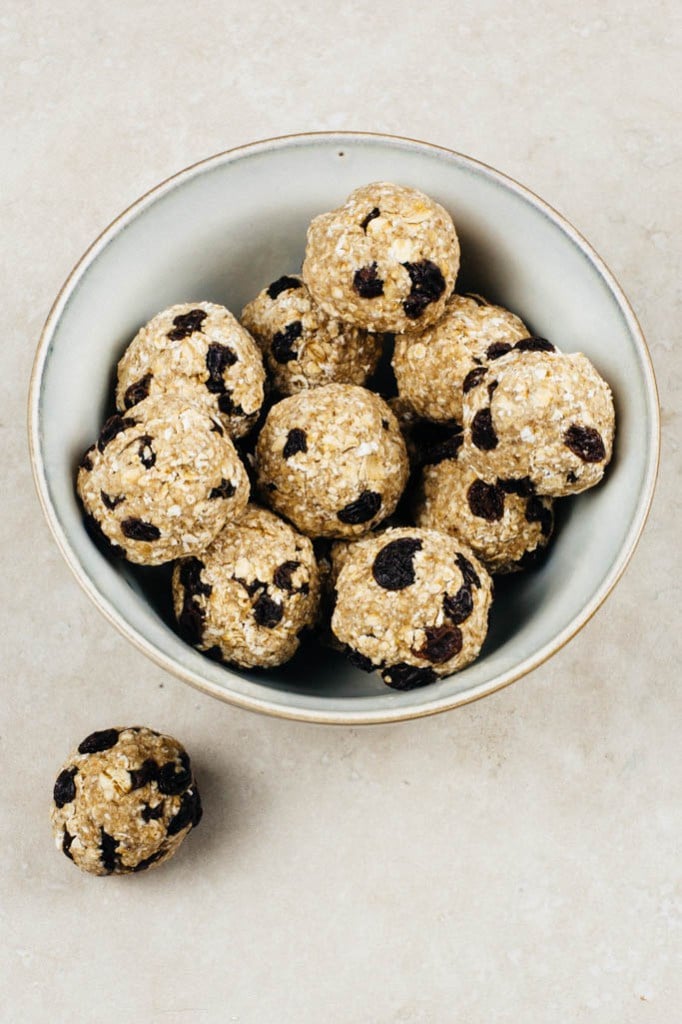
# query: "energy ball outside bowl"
432 368
160 482
247 599
124 801
505 524
540 417
332 460
302 346
386 260
201 350
412 604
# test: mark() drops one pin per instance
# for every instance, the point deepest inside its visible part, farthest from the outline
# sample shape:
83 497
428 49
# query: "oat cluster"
292 497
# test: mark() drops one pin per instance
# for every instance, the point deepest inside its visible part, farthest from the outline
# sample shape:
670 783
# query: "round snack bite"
124 801
540 417
199 349
386 260
432 368
332 460
252 593
505 524
160 482
413 604
302 347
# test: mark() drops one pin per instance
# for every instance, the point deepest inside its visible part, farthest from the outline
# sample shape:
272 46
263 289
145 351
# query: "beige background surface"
516 860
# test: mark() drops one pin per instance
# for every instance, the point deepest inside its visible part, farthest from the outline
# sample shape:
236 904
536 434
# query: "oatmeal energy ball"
332 460
540 417
124 801
505 524
386 260
302 347
413 604
160 482
431 368
250 595
199 349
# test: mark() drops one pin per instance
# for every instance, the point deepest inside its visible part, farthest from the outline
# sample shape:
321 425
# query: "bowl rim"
354 714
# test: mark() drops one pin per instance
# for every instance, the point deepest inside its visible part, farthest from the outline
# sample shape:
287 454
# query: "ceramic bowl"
223 229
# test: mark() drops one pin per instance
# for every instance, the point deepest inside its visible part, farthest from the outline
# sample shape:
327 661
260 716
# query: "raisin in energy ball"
412 604
124 801
540 417
249 596
431 368
201 350
386 260
302 347
505 524
332 460
160 482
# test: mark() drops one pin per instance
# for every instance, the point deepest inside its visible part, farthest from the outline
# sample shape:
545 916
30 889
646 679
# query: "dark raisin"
228 406
283 350
107 847
367 282
467 570
217 429
146 773
150 813
198 810
113 426
86 461
283 284
137 391
172 782
282 577
585 442
571 477
110 502
482 430
537 512
190 577
458 607
296 442
491 388
147 862
486 501
98 741
407 677
441 643
218 358
250 588
428 284
67 839
384 423
186 324
360 661
65 788
376 212
138 529
267 612
187 814
191 621
362 509
393 567
191 617
146 452
473 378
497 349
226 489
534 345
523 486
100 539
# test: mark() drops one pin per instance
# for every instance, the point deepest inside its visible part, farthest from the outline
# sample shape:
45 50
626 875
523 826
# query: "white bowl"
223 229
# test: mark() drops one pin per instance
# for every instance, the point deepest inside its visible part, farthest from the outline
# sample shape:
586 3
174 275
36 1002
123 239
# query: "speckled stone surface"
515 860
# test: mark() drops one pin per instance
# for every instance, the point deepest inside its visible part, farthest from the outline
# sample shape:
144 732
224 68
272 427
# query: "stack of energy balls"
412 501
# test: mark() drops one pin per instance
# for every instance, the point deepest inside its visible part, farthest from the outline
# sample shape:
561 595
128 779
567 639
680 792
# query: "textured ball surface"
124 801
386 260
249 596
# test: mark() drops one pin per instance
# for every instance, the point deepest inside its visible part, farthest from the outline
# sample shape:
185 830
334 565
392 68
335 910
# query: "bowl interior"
223 230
